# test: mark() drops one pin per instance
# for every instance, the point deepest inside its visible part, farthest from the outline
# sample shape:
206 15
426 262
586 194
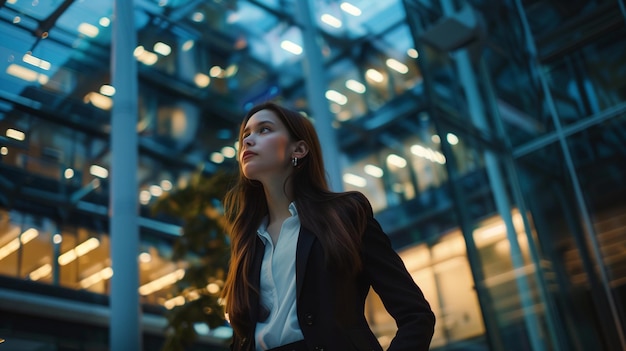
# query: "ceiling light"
98 171
104 21
98 100
188 45
355 180
88 29
40 272
107 90
291 47
26 74
35 61
452 139
197 17
336 96
397 66
229 151
155 190
202 80
4 151
216 71
144 197
331 20
69 173
396 160
15 134
104 274
355 86
14 244
374 171
161 282
216 157
166 185
413 53
374 75
162 48
350 9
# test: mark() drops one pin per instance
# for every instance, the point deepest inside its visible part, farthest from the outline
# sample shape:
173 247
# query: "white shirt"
278 285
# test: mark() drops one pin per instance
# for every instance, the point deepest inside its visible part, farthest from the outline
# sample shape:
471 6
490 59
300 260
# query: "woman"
303 258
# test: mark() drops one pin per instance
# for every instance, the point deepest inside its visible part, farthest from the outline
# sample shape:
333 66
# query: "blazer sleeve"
400 295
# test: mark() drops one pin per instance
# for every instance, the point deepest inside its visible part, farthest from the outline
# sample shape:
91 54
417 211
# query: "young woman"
303 258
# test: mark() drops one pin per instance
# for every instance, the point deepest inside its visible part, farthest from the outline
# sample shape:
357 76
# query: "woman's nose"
248 140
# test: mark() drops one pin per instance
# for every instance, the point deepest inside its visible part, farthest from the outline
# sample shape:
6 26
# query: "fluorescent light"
99 171
350 9
331 20
396 160
40 272
15 134
373 171
162 282
80 250
98 100
336 96
355 86
162 48
291 47
14 244
88 29
428 153
37 62
374 75
26 74
397 66
104 274
355 180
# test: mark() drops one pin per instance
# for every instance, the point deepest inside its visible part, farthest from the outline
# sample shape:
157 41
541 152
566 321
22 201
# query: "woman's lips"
246 155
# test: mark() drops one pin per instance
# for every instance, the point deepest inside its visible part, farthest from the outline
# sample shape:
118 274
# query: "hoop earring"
294 161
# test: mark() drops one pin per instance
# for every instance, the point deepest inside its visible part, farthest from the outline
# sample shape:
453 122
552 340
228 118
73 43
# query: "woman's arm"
402 298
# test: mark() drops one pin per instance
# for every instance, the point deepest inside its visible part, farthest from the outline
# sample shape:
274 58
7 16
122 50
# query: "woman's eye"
264 129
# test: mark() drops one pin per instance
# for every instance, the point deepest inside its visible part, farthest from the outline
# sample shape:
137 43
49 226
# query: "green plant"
203 248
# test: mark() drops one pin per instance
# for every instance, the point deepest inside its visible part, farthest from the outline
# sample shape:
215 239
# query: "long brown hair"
337 219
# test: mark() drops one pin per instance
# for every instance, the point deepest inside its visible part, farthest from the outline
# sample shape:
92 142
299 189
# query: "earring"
294 161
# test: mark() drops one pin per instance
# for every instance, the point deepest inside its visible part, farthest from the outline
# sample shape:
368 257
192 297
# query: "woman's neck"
278 197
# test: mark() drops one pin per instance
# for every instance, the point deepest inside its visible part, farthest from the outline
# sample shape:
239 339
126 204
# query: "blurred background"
490 137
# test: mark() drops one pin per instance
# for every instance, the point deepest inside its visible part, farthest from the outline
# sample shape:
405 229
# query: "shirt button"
308 319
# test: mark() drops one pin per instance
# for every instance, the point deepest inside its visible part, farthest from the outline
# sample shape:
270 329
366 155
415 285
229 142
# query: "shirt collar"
263 227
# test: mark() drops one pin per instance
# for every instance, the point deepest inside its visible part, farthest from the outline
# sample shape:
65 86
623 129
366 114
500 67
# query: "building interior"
489 136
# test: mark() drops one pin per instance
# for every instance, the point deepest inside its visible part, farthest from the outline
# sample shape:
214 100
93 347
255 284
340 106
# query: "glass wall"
489 137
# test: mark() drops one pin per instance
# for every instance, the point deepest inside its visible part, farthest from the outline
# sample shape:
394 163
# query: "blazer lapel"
255 278
305 242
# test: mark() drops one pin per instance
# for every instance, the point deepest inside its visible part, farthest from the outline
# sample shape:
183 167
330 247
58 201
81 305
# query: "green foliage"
204 249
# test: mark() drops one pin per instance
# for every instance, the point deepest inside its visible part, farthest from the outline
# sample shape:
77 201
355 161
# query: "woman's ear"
301 149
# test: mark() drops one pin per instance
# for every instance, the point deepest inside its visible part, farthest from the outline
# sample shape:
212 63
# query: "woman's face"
266 147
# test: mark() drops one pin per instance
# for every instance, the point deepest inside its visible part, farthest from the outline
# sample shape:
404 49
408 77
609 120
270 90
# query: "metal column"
316 86
125 330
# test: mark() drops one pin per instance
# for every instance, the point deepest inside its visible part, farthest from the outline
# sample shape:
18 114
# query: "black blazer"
331 310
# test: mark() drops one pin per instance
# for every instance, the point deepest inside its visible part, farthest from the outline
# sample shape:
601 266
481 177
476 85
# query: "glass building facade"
490 137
